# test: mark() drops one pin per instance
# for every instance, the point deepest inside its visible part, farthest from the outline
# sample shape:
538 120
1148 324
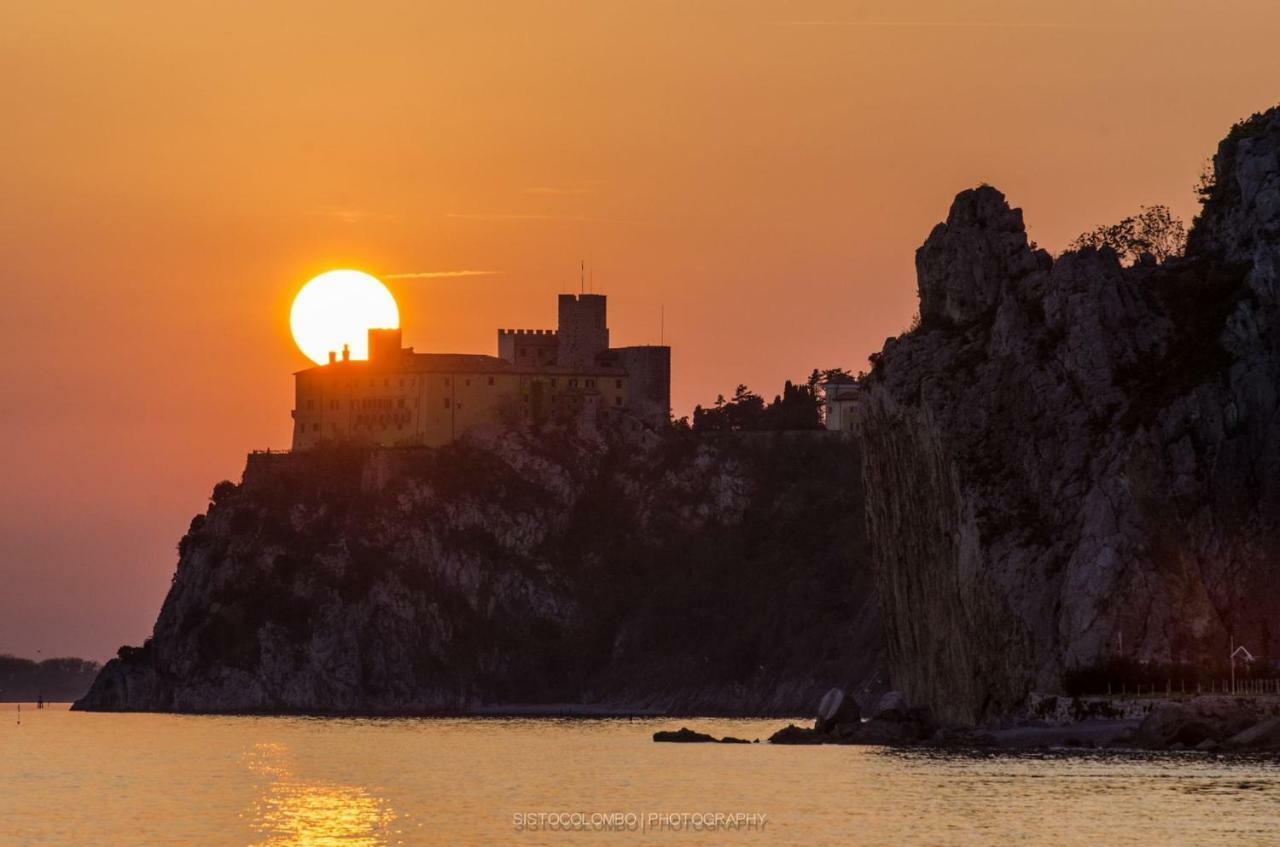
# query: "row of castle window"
386 383
384 402
587 383
315 427
398 418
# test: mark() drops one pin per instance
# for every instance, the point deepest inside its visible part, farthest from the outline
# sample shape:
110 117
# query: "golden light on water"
293 812
339 308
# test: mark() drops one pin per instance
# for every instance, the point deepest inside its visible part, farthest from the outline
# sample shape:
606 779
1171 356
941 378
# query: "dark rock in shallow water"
891 706
684 735
1265 734
792 734
836 708
1173 724
1195 723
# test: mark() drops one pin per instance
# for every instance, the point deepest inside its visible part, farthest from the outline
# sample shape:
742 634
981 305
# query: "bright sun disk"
337 308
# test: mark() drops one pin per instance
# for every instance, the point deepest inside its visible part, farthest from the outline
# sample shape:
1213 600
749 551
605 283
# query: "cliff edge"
520 571
1072 459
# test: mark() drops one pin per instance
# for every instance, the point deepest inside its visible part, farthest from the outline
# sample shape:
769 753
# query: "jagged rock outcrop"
520 570
1070 457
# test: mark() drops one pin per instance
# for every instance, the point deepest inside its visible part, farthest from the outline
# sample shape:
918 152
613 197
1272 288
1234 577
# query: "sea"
73 778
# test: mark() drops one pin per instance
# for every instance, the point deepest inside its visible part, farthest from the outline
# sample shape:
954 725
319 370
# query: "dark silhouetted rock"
836 708
1263 734
888 733
1172 724
684 735
1068 453
892 706
792 734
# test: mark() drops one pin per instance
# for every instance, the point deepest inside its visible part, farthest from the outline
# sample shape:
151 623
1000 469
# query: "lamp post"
1244 653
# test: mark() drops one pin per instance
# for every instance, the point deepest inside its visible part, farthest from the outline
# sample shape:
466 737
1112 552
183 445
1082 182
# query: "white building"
840 395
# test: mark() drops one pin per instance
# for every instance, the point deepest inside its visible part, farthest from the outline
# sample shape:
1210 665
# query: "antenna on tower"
582 277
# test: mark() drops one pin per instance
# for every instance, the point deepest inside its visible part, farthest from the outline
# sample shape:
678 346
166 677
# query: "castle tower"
583 333
384 346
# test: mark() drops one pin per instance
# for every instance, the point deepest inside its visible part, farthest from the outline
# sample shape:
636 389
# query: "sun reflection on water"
292 812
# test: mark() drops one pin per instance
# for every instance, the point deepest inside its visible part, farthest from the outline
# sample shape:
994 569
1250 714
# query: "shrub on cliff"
798 407
1153 230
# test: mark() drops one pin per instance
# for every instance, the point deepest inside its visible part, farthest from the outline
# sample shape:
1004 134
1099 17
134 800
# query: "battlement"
504 332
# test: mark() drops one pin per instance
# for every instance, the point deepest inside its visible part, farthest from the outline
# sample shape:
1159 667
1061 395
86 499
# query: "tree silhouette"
1153 230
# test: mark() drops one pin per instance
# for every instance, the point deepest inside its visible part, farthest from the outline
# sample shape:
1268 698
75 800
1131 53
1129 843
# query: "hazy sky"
762 170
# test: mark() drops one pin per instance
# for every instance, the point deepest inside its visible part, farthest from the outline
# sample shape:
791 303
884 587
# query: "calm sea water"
99 779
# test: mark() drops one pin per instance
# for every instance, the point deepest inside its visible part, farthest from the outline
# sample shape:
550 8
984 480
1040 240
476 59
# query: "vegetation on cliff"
715 573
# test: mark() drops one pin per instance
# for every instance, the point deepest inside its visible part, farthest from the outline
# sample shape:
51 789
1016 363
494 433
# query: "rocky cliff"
1070 458
519 571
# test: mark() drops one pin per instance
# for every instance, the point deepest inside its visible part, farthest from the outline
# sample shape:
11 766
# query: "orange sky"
763 170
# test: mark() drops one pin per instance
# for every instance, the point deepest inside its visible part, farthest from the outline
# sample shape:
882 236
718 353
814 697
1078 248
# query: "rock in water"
1070 454
836 708
792 734
1173 724
684 735
1263 734
891 706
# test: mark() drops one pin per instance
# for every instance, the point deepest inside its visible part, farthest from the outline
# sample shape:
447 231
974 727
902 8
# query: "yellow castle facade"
401 398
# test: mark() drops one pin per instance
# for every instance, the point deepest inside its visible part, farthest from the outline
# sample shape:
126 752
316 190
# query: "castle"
399 397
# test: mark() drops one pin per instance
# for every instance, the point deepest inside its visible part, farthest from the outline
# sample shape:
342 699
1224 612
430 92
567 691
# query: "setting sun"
339 308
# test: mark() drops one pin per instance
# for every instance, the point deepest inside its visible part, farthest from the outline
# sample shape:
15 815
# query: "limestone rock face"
520 570
1070 457
966 262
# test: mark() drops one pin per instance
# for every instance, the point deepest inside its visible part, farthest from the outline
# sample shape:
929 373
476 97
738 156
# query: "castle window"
401 403
315 427
617 383
617 401
491 380
553 382
573 383
447 403
591 383
468 383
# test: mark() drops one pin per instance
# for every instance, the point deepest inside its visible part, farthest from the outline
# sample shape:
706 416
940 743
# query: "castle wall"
354 404
529 347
